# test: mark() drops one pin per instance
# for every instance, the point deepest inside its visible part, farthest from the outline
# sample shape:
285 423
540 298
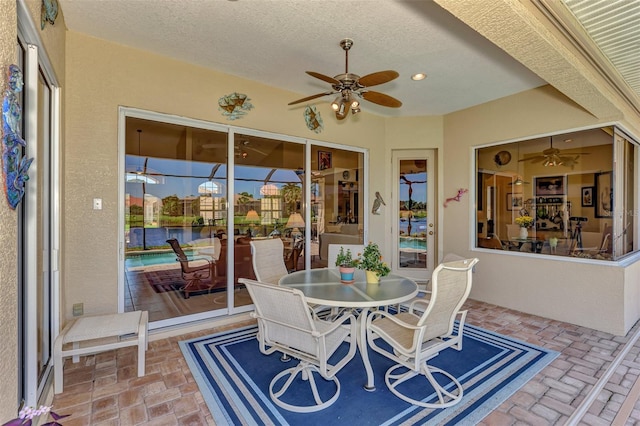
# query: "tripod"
576 236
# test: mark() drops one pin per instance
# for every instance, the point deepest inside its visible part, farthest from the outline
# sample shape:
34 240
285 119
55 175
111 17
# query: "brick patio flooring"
104 389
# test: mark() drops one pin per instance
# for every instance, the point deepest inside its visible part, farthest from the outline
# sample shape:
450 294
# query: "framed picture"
587 196
604 194
324 160
552 185
514 201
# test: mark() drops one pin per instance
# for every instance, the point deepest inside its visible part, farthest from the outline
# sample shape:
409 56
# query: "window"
557 195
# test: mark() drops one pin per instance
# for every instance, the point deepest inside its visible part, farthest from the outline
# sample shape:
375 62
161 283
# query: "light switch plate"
97 203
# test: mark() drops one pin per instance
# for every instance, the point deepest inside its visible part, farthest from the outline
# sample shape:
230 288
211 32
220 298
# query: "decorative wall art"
324 160
313 119
553 185
587 196
604 194
235 105
14 165
458 196
48 12
502 158
514 201
377 204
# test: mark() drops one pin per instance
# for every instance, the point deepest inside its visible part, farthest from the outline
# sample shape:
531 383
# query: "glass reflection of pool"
413 243
151 259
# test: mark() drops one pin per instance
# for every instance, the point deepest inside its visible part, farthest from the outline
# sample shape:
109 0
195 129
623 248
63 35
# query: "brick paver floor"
104 389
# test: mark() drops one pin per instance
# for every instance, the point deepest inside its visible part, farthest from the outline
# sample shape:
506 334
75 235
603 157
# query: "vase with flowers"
347 265
524 222
373 265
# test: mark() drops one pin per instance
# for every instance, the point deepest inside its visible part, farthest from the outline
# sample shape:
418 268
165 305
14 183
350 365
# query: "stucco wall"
558 288
8 243
102 76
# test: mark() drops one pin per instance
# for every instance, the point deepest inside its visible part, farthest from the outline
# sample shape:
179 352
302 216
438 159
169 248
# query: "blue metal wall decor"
48 12
313 119
234 106
14 165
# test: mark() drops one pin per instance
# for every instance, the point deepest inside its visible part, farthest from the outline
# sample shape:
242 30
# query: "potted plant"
347 265
372 263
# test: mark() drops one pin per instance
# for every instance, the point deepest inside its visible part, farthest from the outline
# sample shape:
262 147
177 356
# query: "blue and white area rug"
233 376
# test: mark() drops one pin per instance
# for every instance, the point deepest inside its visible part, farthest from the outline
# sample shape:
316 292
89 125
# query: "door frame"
419 275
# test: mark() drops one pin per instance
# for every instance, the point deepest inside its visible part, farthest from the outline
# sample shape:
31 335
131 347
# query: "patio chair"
294 332
267 257
193 269
268 261
413 338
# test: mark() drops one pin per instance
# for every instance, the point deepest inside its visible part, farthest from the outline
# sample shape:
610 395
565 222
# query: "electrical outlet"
78 309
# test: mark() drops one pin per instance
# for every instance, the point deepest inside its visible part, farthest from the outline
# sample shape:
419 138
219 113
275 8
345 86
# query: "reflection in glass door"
268 203
175 189
414 221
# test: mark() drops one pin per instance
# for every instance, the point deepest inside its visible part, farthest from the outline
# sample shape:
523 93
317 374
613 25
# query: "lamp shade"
295 221
252 216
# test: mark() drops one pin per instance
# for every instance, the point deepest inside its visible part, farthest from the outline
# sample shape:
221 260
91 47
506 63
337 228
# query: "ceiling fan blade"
323 77
535 159
379 77
381 99
308 98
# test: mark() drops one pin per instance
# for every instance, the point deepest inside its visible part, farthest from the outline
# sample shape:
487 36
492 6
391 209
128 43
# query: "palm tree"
291 193
244 199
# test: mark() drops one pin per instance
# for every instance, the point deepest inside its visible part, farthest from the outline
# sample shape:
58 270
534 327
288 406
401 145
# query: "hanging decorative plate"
234 105
502 158
313 119
15 167
48 12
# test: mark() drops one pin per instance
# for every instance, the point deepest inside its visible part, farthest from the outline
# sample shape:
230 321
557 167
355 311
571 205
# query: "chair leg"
446 397
306 371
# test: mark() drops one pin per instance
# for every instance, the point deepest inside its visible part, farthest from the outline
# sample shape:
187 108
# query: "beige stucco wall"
53 42
558 288
102 76
8 243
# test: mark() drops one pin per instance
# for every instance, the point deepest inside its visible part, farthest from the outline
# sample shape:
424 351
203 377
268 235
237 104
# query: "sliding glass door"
195 194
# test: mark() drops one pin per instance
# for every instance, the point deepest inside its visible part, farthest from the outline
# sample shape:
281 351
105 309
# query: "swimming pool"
153 258
413 243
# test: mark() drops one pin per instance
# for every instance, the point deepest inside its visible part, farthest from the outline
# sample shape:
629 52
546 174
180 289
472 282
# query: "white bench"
93 334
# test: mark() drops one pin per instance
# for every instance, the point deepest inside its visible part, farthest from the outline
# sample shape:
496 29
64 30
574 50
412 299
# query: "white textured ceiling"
276 41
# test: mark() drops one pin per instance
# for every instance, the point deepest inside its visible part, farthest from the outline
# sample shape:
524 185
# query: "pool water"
151 259
413 243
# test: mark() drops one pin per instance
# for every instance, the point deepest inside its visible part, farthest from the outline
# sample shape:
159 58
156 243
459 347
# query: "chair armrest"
391 317
420 301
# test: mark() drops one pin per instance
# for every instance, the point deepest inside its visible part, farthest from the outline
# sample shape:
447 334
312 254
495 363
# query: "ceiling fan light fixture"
335 105
348 85
419 76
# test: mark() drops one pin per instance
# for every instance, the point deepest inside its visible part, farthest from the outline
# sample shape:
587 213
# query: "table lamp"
294 223
252 218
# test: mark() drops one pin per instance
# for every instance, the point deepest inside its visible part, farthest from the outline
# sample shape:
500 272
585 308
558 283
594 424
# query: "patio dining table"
323 287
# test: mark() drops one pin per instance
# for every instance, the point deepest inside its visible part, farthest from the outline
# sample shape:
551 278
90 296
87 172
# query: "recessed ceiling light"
568 140
419 76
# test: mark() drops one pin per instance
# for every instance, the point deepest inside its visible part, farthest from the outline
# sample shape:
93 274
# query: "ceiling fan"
351 87
552 157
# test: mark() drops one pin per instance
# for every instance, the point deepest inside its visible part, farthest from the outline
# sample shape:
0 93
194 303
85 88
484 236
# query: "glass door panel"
337 200
414 221
175 189
268 202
